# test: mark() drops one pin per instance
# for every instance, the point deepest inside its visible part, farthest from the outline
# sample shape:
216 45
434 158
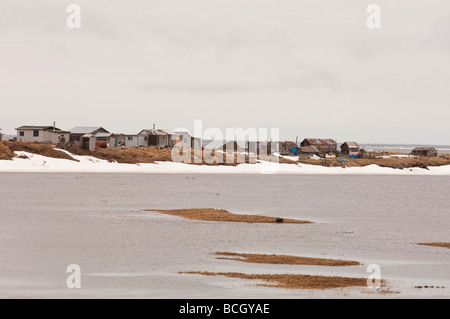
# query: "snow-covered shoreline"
88 164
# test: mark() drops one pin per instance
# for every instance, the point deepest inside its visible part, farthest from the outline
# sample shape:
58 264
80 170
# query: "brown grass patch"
146 155
133 155
443 245
150 154
285 259
5 152
211 157
404 162
47 150
220 215
292 281
123 155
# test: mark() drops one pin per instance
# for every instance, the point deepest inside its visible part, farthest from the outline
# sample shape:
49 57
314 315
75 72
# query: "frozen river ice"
51 220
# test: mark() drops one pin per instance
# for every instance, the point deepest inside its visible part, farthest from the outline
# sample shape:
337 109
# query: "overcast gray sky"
309 68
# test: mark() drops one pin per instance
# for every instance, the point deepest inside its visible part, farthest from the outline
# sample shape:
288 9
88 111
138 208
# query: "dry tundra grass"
211 157
131 155
291 281
443 245
123 155
150 154
5 152
220 215
206 157
403 162
285 259
7 149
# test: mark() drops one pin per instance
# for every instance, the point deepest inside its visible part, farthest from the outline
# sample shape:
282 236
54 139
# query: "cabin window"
130 138
36 133
22 133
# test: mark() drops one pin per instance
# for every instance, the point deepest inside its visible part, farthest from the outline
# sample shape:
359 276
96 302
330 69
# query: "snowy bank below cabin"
28 162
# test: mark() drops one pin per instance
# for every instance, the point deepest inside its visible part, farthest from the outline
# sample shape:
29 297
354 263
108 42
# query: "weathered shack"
42 134
424 151
129 140
88 142
350 148
288 148
156 137
184 139
370 153
234 146
308 151
254 147
107 140
78 132
325 146
261 147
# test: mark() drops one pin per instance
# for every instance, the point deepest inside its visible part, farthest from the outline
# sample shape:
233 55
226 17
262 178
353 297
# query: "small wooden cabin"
424 151
350 148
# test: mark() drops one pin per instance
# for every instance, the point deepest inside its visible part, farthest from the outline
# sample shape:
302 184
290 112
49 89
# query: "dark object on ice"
279 220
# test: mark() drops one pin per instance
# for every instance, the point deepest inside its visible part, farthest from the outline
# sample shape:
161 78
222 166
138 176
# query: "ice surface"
48 221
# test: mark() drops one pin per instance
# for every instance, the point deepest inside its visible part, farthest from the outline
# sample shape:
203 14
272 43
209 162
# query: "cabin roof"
86 129
320 141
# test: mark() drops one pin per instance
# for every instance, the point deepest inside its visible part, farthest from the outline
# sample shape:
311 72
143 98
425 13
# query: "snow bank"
89 164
